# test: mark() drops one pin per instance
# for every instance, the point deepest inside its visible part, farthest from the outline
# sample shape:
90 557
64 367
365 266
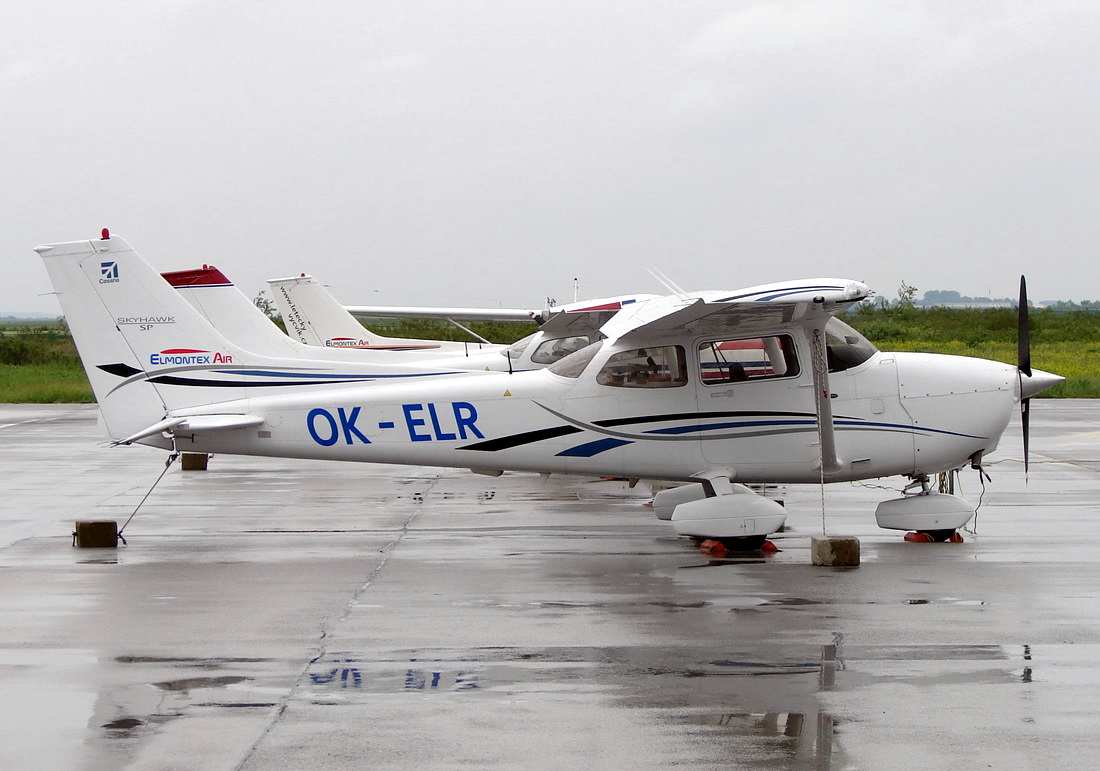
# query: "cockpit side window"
754 358
654 367
552 350
846 347
573 365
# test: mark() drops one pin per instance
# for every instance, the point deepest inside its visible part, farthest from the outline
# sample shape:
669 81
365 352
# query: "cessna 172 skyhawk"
757 386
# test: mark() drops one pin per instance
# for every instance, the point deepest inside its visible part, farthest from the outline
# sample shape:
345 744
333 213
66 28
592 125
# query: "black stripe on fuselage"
119 370
527 437
530 437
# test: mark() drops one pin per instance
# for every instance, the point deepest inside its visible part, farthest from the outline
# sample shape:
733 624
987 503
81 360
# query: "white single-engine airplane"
762 385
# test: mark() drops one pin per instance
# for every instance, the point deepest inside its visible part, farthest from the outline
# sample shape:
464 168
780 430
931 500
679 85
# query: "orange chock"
956 537
713 548
918 538
768 546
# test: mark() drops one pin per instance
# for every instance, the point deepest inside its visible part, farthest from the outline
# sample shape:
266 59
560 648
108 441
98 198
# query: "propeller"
1023 366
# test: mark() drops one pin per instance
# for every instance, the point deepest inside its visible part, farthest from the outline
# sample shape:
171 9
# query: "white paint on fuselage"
943 411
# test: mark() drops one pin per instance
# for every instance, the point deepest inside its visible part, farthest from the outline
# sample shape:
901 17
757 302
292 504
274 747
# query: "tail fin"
313 316
222 304
148 352
77 269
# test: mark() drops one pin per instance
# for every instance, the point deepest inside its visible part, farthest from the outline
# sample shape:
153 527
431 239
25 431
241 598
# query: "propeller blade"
1025 420
1023 366
1023 333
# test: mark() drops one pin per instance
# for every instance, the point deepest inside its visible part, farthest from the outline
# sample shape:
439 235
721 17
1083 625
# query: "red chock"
713 548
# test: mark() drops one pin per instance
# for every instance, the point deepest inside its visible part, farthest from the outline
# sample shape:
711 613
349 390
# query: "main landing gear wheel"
741 544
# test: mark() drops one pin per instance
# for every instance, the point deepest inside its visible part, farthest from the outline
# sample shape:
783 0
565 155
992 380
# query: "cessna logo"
109 272
188 356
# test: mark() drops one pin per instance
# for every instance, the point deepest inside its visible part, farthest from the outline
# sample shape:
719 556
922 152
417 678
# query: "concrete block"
194 461
96 534
834 551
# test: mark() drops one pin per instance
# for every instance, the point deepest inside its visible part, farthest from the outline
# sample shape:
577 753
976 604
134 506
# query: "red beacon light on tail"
105 234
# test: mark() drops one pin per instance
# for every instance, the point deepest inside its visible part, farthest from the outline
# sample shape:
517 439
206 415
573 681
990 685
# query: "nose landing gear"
934 517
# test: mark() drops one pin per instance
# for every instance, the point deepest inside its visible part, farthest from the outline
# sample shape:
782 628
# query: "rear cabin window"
754 358
655 367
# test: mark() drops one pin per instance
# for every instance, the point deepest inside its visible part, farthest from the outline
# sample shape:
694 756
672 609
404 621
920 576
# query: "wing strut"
830 463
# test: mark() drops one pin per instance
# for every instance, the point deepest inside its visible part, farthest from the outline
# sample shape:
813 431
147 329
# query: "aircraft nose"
1038 381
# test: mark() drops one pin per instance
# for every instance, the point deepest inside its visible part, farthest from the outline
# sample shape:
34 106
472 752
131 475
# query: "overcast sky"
487 152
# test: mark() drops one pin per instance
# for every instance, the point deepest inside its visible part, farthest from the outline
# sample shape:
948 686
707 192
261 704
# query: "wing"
748 310
462 314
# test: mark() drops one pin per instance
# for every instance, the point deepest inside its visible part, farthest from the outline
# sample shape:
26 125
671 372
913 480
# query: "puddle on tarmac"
195 683
204 663
134 709
791 724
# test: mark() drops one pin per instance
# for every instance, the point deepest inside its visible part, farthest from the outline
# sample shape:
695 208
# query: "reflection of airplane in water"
656 397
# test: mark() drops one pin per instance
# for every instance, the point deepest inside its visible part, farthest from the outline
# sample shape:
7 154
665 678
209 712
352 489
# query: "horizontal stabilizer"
195 423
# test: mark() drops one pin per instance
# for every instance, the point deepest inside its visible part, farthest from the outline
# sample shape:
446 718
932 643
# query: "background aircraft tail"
313 316
226 307
148 352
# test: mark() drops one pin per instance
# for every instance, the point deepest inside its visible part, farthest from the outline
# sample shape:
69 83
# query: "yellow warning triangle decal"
507 393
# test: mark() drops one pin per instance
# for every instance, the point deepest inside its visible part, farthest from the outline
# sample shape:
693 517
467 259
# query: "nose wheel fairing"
927 512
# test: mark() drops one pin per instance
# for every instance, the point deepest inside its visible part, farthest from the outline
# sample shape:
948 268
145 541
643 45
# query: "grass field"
40 365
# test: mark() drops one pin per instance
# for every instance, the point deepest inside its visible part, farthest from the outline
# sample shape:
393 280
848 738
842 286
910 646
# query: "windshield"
556 348
516 349
573 364
846 347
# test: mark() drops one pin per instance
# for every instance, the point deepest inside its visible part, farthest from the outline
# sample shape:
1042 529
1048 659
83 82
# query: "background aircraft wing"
461 314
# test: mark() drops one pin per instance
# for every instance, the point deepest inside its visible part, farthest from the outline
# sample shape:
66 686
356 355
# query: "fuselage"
893 413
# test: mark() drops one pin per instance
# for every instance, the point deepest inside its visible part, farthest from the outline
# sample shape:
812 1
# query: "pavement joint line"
322 647
32 420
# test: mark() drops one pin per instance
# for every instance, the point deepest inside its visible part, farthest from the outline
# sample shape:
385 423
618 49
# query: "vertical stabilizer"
147 351
226 307
77 270
313 316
